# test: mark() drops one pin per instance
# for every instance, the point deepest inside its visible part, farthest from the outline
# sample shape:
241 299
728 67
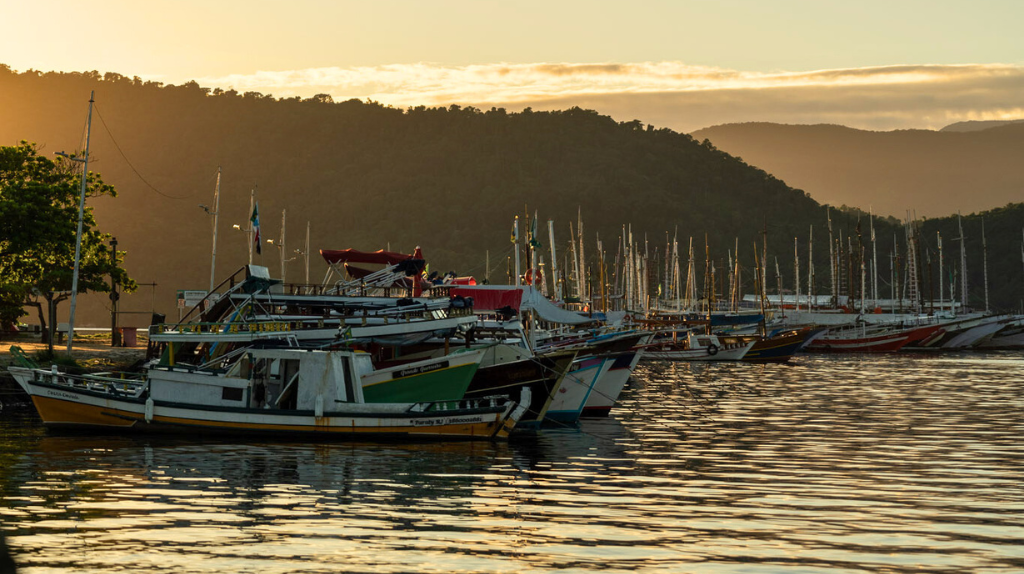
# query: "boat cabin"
288 379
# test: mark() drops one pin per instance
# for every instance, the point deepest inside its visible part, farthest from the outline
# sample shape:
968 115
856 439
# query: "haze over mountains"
449 180
966 167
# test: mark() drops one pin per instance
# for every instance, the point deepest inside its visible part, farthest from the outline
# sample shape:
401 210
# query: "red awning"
380 257
489 298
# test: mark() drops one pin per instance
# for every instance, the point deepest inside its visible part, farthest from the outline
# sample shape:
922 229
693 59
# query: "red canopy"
490 298
379 257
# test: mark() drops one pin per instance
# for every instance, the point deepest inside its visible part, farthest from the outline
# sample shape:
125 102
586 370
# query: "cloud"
674 94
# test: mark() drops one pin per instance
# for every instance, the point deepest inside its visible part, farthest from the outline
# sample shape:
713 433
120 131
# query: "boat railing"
490 402
129 384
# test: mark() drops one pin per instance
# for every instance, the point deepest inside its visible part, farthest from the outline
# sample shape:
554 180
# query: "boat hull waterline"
62 406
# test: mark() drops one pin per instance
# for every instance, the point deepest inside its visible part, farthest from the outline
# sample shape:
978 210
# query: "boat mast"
281 247
963 264
796 271
78 235
832 258
874 264
810 268
515 242
215 214
583 260
942 288
554 262
984 259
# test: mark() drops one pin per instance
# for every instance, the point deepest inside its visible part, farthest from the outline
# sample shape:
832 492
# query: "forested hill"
368 176
933 172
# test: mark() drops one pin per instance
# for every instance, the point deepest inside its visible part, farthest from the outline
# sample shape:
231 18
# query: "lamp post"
78 236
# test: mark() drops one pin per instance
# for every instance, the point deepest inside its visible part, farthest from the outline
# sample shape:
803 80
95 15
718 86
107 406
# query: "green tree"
38 224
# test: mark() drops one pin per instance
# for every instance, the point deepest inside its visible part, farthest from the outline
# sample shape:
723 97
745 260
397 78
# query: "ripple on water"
827 465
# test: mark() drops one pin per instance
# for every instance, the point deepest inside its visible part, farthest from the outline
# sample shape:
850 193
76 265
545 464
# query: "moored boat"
275 391
869 338
697 348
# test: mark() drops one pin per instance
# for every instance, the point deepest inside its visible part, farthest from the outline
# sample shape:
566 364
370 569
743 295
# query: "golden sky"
684 64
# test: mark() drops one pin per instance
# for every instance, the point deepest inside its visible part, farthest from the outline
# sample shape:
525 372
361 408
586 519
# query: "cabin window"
231 394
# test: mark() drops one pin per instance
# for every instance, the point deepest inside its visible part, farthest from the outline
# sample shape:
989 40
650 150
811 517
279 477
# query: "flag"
515 230
533 233
254 224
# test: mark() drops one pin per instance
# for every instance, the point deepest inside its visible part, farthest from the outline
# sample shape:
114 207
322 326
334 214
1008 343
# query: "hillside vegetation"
934 173
368 176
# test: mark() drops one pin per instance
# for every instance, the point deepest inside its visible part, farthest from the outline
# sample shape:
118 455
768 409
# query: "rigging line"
125 157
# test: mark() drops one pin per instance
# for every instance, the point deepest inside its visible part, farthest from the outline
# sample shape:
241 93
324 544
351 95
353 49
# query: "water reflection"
829 464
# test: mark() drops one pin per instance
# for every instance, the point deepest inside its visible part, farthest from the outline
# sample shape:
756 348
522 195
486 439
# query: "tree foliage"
39 200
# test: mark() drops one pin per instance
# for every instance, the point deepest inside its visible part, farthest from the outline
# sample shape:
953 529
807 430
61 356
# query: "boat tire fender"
712 349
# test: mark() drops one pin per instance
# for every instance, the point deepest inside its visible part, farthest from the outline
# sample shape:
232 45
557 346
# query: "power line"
127 161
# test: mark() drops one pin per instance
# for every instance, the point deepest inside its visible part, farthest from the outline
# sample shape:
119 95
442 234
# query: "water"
831 464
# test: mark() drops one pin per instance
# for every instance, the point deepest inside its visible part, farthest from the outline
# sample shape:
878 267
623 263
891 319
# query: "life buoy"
534 279
628 318
712 349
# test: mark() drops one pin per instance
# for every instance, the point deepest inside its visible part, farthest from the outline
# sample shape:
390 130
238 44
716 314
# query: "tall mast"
832 258
810 269
942 288
515 241
778 281
874 264
984 259
583 259
281 247
216 213
963 264
249 230
78 235
554 261
575 261
796 271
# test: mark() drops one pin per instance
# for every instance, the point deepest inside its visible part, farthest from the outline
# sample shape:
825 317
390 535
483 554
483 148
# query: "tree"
38 225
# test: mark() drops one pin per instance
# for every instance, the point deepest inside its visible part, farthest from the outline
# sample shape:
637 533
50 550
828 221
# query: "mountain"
367 176
932 173
977 126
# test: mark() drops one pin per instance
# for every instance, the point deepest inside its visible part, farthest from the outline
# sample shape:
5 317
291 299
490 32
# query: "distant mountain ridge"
977 126
449 180
934 173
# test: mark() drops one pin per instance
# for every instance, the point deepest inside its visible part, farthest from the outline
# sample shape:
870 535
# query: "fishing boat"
278 392
609 386
777 347
697 348
864 338
578 385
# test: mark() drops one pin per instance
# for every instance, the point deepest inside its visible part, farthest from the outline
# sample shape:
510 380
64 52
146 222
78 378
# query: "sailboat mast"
984 259
78 235
216 213
554 261
942 287
810 269
281 248
874 264
796 272
963 264
832 259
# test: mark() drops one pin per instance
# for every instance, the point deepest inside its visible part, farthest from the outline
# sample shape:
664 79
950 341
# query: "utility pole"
115 335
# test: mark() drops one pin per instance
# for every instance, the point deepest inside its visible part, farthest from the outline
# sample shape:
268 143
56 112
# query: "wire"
125 157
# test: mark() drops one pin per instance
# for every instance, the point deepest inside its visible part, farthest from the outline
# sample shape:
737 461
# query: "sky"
683 64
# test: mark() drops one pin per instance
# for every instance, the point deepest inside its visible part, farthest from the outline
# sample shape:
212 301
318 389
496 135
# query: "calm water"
877 464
